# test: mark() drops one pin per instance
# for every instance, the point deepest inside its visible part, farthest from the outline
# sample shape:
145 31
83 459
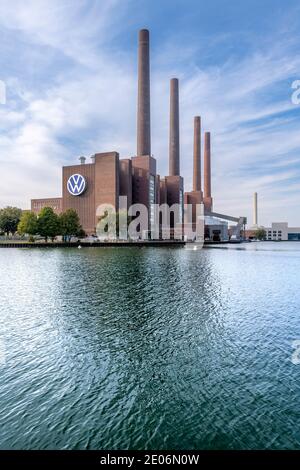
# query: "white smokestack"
255 217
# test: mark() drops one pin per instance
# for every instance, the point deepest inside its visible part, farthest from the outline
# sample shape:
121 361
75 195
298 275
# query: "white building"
281 231
215 229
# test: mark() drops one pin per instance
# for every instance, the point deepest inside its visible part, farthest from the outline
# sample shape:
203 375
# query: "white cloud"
72 27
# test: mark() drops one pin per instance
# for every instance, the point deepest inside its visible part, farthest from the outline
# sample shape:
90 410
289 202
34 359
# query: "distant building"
216 230
281 231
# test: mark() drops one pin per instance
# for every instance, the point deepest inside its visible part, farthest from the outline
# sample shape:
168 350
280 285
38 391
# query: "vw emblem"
76 185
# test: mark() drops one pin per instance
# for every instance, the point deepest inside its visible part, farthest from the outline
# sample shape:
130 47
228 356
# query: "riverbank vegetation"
47 224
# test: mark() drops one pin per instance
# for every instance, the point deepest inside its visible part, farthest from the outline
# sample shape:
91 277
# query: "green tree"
260 234
70 224
9 219
28 224
81 233
48 225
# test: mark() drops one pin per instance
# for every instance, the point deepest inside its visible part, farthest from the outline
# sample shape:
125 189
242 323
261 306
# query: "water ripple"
149 349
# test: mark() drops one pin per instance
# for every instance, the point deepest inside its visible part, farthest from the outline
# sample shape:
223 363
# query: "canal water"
150 348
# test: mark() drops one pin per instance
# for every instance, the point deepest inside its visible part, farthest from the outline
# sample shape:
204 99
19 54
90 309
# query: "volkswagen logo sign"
76 185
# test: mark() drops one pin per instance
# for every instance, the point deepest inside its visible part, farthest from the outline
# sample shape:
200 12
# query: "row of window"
274 235
39 206
152 199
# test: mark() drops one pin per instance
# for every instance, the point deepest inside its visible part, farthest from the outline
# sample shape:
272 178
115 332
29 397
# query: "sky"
70 73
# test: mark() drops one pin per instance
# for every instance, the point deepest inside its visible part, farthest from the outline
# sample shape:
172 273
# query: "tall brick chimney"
197 154
143 111
174 164
207 166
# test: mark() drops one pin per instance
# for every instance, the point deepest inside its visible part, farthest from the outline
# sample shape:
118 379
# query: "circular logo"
76 185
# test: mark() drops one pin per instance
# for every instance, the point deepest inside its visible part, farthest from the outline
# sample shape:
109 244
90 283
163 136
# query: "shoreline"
119 244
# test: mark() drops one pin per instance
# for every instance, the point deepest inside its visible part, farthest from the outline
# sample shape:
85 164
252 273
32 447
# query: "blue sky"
70 72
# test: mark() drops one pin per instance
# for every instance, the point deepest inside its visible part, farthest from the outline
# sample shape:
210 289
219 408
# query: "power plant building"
106 177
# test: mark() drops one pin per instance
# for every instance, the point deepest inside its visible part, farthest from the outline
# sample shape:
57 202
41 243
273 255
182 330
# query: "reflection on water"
259 246
150 348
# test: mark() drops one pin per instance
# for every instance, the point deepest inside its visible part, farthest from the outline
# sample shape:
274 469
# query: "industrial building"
106 177
278 231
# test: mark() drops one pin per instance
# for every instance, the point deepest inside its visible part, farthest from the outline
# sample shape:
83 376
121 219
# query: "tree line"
47 224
